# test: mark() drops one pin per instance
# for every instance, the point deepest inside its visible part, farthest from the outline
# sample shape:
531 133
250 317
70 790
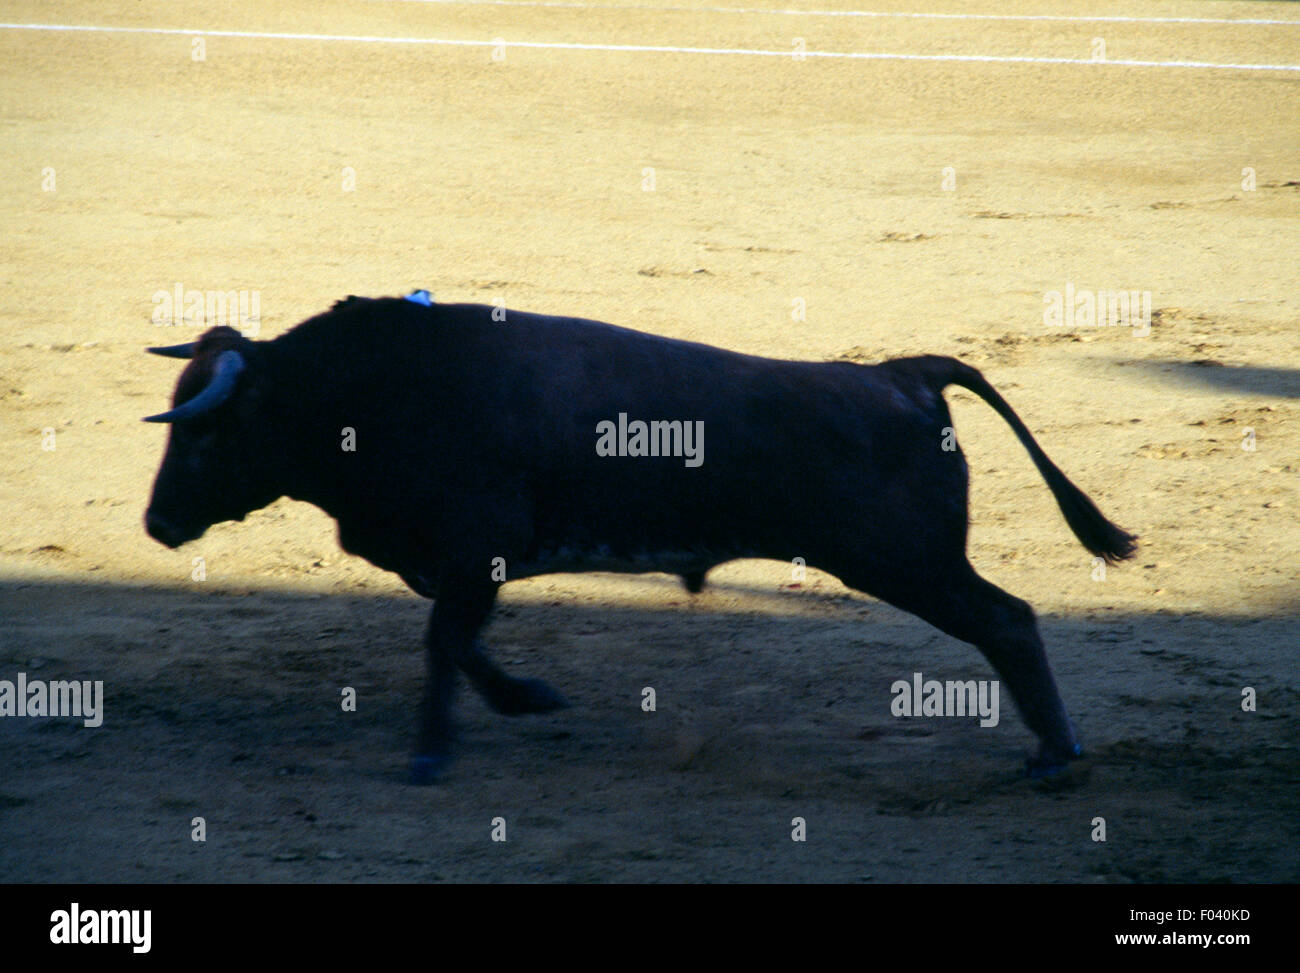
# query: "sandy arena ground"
907 205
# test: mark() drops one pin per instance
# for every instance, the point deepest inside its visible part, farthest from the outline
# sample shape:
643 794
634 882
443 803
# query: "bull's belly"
575 560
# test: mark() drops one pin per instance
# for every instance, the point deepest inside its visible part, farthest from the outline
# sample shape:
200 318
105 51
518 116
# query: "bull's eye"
198 451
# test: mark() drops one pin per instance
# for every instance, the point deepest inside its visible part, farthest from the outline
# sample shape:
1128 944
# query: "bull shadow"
1272 382
229 704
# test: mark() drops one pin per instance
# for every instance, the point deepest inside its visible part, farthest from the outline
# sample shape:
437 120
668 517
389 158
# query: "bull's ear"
176 351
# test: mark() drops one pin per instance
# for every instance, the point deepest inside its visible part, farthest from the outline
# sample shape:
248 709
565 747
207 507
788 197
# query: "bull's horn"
175 351
225 373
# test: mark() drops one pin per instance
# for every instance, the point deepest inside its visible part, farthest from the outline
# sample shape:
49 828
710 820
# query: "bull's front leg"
506 694
452 644
454 622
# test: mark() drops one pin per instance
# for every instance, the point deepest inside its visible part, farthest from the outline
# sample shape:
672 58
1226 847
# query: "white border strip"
651 49
901 15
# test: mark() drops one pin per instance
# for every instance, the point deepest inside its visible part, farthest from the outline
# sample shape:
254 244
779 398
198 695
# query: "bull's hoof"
1066 778
523 696
1049 768
426 768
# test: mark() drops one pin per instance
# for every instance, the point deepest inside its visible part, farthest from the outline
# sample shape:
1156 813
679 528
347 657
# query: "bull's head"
215 466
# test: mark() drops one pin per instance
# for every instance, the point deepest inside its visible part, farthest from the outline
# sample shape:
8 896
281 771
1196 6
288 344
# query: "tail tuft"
1095 532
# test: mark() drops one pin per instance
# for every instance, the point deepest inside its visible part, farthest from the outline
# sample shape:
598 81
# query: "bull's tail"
1094 531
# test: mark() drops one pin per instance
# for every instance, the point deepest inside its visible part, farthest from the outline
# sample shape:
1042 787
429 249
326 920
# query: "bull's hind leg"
1004 628
1006 631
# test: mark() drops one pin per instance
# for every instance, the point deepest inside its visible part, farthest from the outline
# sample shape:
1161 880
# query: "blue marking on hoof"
420 297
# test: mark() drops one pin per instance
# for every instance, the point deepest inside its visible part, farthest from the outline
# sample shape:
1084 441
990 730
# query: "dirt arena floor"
816 207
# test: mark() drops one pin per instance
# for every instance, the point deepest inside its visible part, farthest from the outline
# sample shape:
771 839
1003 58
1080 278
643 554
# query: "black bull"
474 460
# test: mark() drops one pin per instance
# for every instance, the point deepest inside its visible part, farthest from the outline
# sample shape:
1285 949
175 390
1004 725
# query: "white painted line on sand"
881 14
653 48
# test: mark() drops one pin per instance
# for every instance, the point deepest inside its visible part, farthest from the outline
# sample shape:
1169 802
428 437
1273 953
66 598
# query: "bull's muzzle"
165 532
